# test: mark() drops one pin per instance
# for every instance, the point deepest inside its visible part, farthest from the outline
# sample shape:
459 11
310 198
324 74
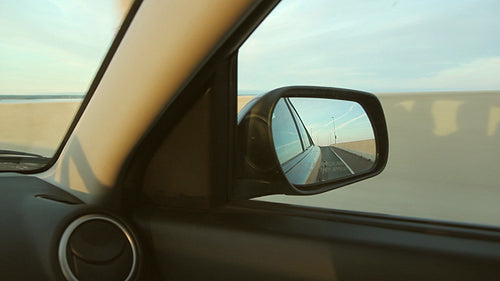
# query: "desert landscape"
443 154
35 126
243 100
364 148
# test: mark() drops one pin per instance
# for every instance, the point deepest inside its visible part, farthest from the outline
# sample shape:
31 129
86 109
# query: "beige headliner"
165 43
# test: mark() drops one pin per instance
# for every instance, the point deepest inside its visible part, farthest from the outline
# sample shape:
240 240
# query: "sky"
54 46
325 118
375 46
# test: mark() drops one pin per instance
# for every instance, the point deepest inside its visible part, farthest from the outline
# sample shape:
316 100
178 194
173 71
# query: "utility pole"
334 130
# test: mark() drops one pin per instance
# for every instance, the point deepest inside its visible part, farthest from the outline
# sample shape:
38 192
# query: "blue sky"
376 46
54 46
373 45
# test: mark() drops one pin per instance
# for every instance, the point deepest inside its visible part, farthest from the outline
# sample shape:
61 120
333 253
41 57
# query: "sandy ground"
365 146
443 155
242 100
35 127
39 127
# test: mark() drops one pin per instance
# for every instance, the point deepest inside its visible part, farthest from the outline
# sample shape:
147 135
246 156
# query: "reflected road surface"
338 163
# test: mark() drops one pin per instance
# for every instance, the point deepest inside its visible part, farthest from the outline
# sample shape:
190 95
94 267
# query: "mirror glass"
318 139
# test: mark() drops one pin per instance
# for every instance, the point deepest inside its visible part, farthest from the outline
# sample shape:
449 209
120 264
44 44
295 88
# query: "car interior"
181 204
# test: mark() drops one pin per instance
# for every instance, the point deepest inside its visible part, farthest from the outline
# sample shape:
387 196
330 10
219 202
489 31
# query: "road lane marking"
347 166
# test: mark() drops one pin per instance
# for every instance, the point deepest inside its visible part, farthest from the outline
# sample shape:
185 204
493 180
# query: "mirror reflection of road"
337 163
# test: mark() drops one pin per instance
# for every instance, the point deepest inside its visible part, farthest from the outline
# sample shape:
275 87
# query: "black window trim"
389 221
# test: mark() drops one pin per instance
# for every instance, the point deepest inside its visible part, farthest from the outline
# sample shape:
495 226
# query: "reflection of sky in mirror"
376 46
327 118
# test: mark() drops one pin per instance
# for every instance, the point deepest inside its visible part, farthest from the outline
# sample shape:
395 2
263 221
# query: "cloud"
350 121
375 46
345 114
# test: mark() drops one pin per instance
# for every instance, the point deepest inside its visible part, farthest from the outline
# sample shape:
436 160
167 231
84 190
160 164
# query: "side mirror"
307 140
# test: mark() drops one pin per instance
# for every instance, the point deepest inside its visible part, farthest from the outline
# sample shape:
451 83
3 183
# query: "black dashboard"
48 234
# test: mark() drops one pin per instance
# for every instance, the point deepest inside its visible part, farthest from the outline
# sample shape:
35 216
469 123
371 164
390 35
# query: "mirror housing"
259 170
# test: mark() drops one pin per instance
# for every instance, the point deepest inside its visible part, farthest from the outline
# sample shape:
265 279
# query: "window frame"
223 64
229 222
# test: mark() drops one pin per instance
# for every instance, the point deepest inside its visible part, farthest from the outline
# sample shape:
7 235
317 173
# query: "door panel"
244 241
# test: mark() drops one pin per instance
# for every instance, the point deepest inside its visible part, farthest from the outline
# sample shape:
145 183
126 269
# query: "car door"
172 145
212 236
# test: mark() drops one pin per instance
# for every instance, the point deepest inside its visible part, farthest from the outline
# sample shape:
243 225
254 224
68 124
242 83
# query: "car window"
433 65
50 52
286 137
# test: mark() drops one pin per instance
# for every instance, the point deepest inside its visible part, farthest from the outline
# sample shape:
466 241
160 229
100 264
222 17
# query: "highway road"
338 163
